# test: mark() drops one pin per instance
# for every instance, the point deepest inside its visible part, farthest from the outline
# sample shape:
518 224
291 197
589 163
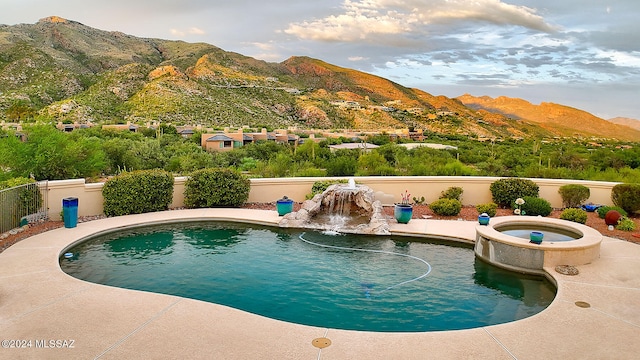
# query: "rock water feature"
347 208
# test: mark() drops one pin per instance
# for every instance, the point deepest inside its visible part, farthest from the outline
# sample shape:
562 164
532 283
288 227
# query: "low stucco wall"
388 190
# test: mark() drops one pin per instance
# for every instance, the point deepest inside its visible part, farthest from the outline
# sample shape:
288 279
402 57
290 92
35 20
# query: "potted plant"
536 237
483 219
284 206
403 211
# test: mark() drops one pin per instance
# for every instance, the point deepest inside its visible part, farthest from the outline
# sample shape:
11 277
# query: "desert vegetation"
49 154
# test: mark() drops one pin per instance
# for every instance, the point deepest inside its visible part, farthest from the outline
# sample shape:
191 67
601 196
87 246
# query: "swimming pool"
274 273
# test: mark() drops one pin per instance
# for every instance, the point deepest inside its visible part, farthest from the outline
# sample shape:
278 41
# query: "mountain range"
63 71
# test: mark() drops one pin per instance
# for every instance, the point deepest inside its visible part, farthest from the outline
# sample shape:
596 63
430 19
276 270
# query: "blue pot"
536 237
590 207
284 206
403 213
483 219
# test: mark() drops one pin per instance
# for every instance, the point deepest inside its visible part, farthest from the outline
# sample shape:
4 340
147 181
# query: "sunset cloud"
365 20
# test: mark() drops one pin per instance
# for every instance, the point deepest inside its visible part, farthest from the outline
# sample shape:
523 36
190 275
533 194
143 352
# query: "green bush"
575 215
626 196
216 187
319 187
573 195
603 210
446 207
626 224
453 192
506 191
489 209
534 206
138 192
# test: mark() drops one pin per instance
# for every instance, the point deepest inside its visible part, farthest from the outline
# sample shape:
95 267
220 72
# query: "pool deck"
39 303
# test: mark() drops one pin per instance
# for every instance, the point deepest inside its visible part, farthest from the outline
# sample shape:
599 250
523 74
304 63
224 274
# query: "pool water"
400 285
550 234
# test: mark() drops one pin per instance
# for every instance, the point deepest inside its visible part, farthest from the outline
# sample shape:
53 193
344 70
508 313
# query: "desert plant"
575 215
626 224
505 191
453 192
534 206
418 200
488 208
626 196
446 207
573 195
215 187
603 210
137 192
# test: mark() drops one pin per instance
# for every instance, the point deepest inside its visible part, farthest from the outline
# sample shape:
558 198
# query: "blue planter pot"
536 237
284 206
483 219
403 213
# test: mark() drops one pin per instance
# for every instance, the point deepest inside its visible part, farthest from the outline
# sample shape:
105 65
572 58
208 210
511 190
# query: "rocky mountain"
559 119
632 123
63 71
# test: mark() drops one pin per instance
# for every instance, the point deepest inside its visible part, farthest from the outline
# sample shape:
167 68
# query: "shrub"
575 215
319 187
534 206
446 207
506 191
489 208
626 224
216 187
573 195
603 210
453 192
137 192
626 196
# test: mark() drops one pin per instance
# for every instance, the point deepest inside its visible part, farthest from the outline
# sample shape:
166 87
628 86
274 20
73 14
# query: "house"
225 141
128 127
220 142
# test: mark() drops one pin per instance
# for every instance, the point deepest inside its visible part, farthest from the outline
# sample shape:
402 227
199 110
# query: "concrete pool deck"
40 303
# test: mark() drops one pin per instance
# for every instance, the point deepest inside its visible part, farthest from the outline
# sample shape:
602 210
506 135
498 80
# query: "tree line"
50 154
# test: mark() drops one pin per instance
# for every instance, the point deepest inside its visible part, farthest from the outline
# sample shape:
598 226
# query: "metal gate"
23 205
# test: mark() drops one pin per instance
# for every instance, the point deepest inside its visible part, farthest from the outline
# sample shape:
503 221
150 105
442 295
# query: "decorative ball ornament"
612 217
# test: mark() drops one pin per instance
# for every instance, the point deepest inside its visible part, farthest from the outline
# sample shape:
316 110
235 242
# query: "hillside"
63 71
632 123
559 119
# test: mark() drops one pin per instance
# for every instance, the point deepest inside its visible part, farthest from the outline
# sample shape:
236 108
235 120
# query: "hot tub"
503 243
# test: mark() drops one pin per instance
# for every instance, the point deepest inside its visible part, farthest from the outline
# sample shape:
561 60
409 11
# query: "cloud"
367 20
189 31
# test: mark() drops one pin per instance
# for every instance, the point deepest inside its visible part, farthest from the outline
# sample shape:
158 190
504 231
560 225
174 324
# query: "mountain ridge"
64 71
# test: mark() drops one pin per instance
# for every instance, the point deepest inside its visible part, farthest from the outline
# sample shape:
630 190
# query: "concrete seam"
602 286
136 330
500 343
62 298
23 274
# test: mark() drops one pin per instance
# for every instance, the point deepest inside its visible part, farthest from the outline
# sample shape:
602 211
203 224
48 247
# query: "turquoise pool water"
400 285
550 234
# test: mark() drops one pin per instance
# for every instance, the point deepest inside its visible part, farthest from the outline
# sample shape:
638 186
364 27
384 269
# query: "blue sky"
579 53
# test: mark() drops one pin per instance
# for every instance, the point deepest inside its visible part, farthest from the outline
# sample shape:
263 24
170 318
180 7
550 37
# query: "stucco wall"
388 190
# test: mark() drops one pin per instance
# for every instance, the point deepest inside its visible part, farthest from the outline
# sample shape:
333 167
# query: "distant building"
226 141
366 147
122 127
429 145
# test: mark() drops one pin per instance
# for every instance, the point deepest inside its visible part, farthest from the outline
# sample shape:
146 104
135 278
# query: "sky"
580 53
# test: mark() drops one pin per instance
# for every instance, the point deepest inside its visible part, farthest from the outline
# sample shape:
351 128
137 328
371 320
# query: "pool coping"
39 303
